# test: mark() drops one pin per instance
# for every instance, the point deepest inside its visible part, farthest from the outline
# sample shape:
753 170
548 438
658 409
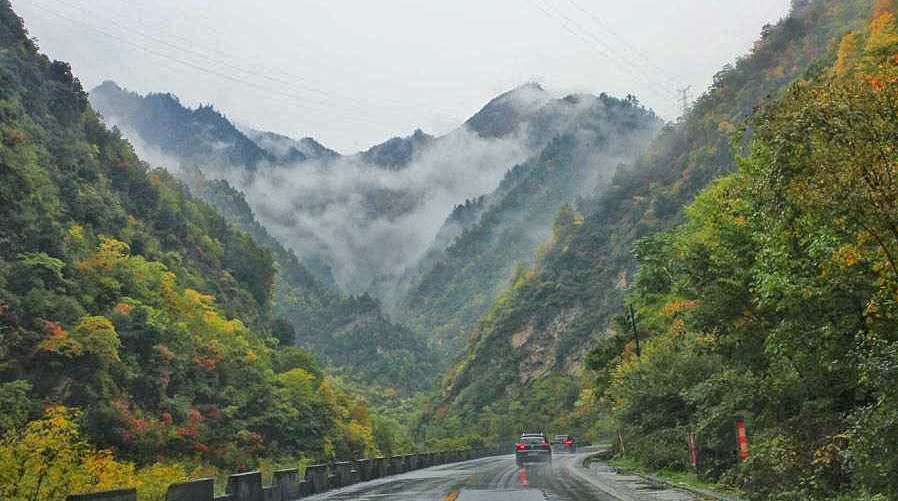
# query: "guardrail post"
342 474
333 481
396 465
194 490
287 482
365 468
316 476
381 467
246 486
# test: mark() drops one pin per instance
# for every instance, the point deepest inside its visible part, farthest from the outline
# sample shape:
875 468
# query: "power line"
264 74
296 100
685 97
602 47
636 51
647 77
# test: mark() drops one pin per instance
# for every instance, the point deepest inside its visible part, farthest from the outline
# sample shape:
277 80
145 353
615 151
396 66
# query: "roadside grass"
678 478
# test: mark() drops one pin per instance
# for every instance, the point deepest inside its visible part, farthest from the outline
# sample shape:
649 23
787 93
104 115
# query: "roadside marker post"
693 450
742 438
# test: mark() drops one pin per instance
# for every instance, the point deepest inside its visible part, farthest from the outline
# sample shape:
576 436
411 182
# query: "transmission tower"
685 97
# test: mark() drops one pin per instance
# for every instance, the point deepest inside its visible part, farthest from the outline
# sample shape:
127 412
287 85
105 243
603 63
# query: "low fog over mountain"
371 216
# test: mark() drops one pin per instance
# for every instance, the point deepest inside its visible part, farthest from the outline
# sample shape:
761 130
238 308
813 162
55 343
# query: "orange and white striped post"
693 450
742 438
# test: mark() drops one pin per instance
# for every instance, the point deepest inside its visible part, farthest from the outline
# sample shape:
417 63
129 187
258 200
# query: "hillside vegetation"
531 344
136 323
775 299
586 137
348 332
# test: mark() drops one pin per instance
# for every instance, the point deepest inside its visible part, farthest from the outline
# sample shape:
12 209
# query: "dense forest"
775 299
532 343
139 344
348 332
190 142
589 136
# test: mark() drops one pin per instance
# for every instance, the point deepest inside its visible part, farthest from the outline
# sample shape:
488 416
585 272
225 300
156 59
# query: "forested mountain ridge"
775 299
199 135
289 151
193 143
133 317
507 112
398 152
536 334
588 137
191 135
349 333
348 213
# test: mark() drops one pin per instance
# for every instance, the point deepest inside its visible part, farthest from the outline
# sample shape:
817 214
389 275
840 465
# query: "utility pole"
632 315
685 97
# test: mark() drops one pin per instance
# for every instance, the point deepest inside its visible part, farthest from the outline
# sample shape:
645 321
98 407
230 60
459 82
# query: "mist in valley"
374 220
372 223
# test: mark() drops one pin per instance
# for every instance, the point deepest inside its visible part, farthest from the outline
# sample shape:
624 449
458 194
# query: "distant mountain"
350 333
180 138
589 137
200 135
375 218
288 151
507 112
397 152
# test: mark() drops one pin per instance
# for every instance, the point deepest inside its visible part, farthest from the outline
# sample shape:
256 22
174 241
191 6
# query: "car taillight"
520 447
569 442
545 445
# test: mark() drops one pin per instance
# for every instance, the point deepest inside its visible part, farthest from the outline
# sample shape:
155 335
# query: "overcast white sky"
355 72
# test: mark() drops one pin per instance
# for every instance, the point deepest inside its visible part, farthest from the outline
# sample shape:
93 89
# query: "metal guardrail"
291 484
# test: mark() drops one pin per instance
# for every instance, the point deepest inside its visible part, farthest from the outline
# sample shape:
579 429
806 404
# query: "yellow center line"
452 496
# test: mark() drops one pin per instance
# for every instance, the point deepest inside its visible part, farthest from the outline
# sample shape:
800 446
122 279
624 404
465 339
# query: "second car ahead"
564 443
533 449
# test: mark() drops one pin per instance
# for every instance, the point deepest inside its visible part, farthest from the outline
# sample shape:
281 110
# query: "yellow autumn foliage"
883 33
49 460
847 53
97 334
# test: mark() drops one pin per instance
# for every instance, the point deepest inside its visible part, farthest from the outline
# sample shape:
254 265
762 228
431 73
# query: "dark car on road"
564 443
533 448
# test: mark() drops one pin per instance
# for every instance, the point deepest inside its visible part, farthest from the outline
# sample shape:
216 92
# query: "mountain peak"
107 86
161 120
530 86
502 115
397 152
288 151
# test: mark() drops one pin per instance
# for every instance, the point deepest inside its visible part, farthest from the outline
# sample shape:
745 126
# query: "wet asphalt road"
499 479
